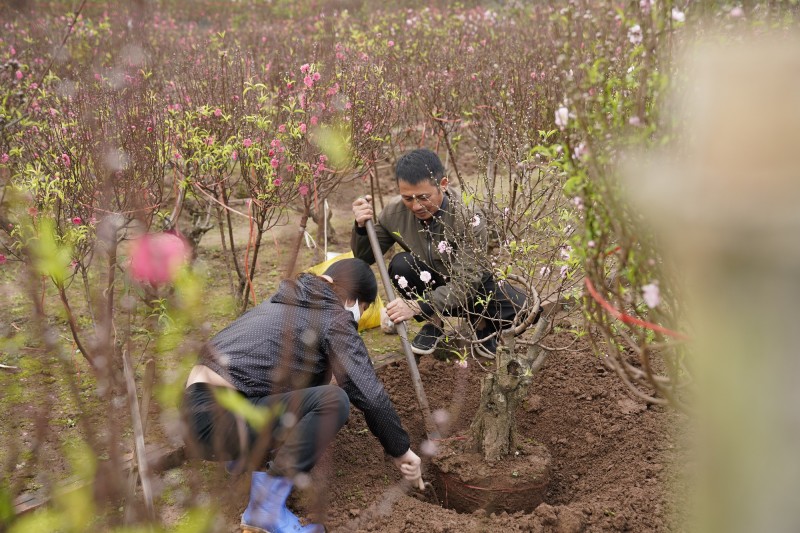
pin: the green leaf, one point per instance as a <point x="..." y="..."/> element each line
<point x="51" y="257"/>
<point x="257" y="417"/>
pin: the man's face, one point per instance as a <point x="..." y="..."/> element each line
<point x="423" y="199"/>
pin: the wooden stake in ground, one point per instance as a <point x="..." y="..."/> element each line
<point x="138" y="432"/>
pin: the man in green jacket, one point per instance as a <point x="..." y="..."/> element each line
<point x="443" y="267"/>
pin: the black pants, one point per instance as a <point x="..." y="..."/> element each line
<point x="498" y="305"/>
<point x="300" y="425"/>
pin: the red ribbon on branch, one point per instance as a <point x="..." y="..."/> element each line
<point x="628" y="319"/>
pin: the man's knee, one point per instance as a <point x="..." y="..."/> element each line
<point x="402" y="264"/>
<point x="336" y="400"/>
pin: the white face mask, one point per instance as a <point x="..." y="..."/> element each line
<point x="355" y="309"/>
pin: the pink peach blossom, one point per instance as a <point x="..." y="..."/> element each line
<point x="156" y="258"/>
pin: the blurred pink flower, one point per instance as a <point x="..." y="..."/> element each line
<point x="66" y="160"/>
<point x="736" y="12"/>
<point x="247" y="143"/>
<point x="277" y="182"/>
<point x="444" y="247"/>
<point x="218" y="112"/>
<point x="18" y="74"/>
<point x="424" y="276"/>
<point x="314" y="121"/>
<point x="635" y="34"/>
<point x="562" y="117"/>
<point x="234" y="155"/>
<point x="3" y="259"/>
<point x="581" y="151"/>
<point x="476" y="221"/>
<point x="303" y="189"/>
<point x="282" y="128"/>
<point x="367" y="127"/>
<point x="390" y="44"/>
<point x="402" y="282"/>
<point x="275" y="163"/>
<point x="308" y="81"/>
<point x="461" y="363"/>
<point x="316" y="76"/>
<point x="4" y="158"/>
<point x="651" y="295"/>
<point x="157" y="257"/>
<point x="305" y="68"/>
<point x="302" y="127"/>
<point x="77" y="220"/>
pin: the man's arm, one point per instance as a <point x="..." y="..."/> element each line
<point x="359" y="240"/>
<point x="355" y="374"/>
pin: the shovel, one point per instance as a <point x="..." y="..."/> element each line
<point x="402" y="330"/>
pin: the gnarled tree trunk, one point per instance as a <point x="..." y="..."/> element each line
<point x="493" y="429"/>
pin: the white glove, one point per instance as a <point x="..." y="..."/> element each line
<point x="410" y="466"/>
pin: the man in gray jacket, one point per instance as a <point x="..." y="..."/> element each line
<point x="443" y="267"/>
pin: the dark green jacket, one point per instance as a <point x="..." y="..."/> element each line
<point x="453" y="243"/>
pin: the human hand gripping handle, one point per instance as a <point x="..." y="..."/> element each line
<point x="362" y="210"/>
<point x="399" y="310"/>
<point x="410" y="466"/>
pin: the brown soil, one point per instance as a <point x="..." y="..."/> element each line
<point x="610" y="457"/>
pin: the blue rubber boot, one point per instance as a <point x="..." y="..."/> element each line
<point x="267" y="511"/>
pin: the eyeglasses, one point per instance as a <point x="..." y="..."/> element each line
<point x="421" y="198"/>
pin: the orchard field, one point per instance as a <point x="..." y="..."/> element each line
<point x="164" y="164"/>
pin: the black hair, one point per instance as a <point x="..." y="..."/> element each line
<point x="353" y="280"/>
<point x="419" y="165"/>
